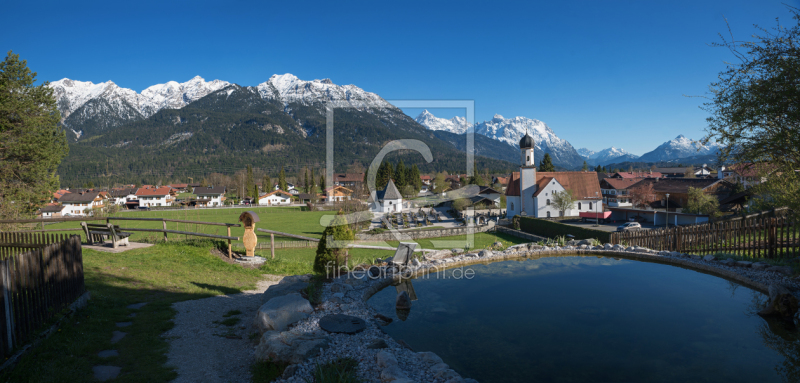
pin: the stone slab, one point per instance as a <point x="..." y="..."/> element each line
<point x="107" y="353"/>
<point x="105" y="373"/>
<point x="340" y="323"/>
<point x="117" y="336"/>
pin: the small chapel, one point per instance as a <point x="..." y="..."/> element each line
<point x="530" y="193"/>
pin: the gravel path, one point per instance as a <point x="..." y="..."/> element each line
<point x="204" y="351"/>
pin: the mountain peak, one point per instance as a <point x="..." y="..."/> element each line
<point x="498" y="117"/>
<point x="457" y="124"/>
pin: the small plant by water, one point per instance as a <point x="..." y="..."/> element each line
<point x="342" y="370"/>
<point x="313" y="292"/>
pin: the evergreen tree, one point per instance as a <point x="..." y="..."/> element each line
<point x="476" y="178"/>
<point x="312" y="187"/>
<point x="322" y="181"/>
<point x="31" y="142"/>
<point x="400" y="175"/>
<point x="250" y="180"/>
<point x="305" y="183"/>
<point x="265" y="184"/>
<point x="282" y="180"/>
<point x="598" y="168"/>
<point x="414" y="178"/>
<point x="331" y="257"/>
<point x="547" y="164"/>
<point x="585" y="166"/>
<point x="255" y="193"/>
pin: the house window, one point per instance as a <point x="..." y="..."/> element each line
<point x="579" y="206"/>
<point x="548" y="204"/>
<point x="512" y="206"/>
<point x="548" y="214"/>
<point x="590" y="206"/>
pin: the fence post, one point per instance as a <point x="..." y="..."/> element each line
<point x="165" y="230"/>
<point x="7" y="305"/>
<point x="272" y="244"/>
<point x="230" y="255"/>
<point x="773" y="235"/>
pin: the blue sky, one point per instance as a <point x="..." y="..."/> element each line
<point x="599" y="73"/>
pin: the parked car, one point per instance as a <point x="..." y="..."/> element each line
<point x="144" y="208"/>
<point x="629" y="226"/>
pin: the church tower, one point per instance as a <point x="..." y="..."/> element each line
<point x="527" y="174"/>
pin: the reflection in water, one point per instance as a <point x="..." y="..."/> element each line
<point x="586" y="319"/>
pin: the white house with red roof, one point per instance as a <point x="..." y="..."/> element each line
<point x="530" y="193"/>
<point x="151" y="197"/>
<point x="277" y="197"/>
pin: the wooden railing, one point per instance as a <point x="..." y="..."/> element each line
<point x="752" y="237"/>
<point x="36" y="284"/>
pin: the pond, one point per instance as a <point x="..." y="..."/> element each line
<point x="592" y="319"/>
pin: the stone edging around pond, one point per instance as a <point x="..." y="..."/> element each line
<point x="382" y="358"/>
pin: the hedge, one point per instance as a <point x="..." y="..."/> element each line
<point x="550" y="229"/>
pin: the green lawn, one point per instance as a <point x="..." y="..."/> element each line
<point x="160" y="275"/>
<point x="286" y="219"/>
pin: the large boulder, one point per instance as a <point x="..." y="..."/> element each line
<point x="485" y="253"/>
<point x="291" y="348"/>
<point x="288" y="285"/>
<point x="438" y="254"/>
<point x="782" y="303"/>
<point x="279" y="312"/>
<point x="785" y="270"/>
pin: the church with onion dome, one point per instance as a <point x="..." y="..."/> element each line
<point x="530" y="192"/>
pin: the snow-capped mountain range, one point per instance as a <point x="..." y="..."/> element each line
<point x="457" y="124"/>
<point x="510" y="131"/>
<point x="680" y="147"/>
<point x="96" y="107"/>
<point x="72" y="94"/>
<point x="606" y="156"/>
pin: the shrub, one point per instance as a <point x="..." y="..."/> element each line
<point x="331" y="257"/>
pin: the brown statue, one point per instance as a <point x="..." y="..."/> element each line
<point x="248" y="220"/>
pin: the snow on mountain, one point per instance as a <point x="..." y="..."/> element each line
<point x="457" y="124"/>
<point x="127" y="103"/>
<point x="287" y="88"/>
<point x="510" y="131"/>
<point x="585" y="153"/>
<point x="680" y="147"/>
<point x="610" y="155"/>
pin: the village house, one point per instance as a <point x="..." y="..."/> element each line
<point x="337" y="194"/>
<point x="180" y="188"/>
<point x="678" y="190"/>
<point x="78" y="203"/>
<point x="210" y="195"/>
<point x="125" y="196"/>
<point x="57" y="195"/>
<point x="490" y="194"/>
<point x="747" y="174"/>
<point x="530" y="193"/>
<point x="388" y="200"/>
<point x="616" y="191"/>
<point x="277" y="197"/>
<point x="52" y="211"/>
<point x="639" y="175"/>
<point x="679" y="172"/>
<point x="353" y="181"/>
<point x="152" y="197"/>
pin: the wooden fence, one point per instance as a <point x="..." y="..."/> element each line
<point x="753" y="237"/>
<point x="37" y="283"/>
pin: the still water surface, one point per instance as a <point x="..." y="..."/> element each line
<point x="590" y="319"/>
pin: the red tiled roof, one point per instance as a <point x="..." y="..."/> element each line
<point x="752" y="170"/>
<point x="60" y="193"/>
<point x="180" y="186"/>
<point x="503" y="180"/>
<point x="582" y="184"/>
<point x="541" y="183"/>
<point x="425" y="178"/>
<point x="164" y="190"/>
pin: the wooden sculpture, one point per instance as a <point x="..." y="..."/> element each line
<point x="248" y="220"/>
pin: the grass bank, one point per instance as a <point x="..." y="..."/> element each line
<point x="160" y="275"/>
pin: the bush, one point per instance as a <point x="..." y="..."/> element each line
<point x="330" y="259"/>
<point x="550" y="229"/>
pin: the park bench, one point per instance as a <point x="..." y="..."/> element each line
<point x="111" y="231"/>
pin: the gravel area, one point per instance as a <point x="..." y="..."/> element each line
<point x="200" y="355"/>
<point x="204" y="351"/>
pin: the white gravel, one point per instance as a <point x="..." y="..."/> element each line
<point x="199" y="350"/>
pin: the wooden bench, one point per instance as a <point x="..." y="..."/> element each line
<point x="111" y="231"/>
